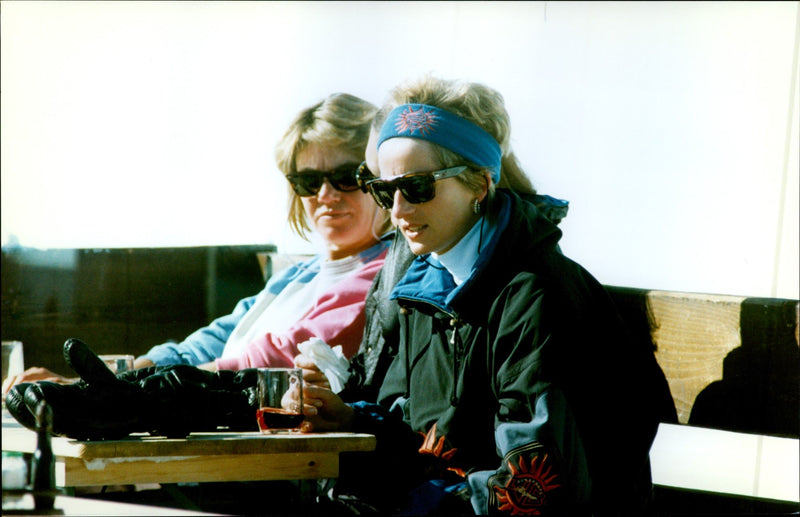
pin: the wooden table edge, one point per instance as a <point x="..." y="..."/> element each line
<point x="205" y="444"/>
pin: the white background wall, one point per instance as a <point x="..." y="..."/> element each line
<point x="672" y="128"/>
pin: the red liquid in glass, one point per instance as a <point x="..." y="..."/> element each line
<point x="273" y="419"/>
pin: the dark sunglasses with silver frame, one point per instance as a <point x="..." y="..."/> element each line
<point x="309" y="182"/>
<point x="416" y="187"/>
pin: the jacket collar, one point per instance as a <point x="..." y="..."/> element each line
<point x="428" y="281"/>
<point x="521" y="232"/>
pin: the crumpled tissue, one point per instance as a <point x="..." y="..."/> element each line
<point x="330" y="360"/>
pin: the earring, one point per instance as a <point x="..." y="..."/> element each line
<point x="476" y="206"/>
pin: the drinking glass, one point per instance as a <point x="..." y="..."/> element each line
<point x="280" y="397"/>
<point x="118" y="363"/>
<point x="13" y="362"/>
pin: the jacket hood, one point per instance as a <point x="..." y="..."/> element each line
<point x="528" y="230"/>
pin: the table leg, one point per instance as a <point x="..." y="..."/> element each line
<point x="308" y="492"/>
<point x="182" y="499"/>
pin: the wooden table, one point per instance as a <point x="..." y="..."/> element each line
<point x="200" y="457"/>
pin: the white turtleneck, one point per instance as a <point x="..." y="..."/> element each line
<point x="460" y="259"/>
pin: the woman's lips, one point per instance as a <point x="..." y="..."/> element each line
<point x="332" y="214"/>
<point x="413" y="230"/>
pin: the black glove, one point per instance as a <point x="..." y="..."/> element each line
<point x="161" y="400"/>
<point x="99" y="406"/>
<point x="190" y="399"/>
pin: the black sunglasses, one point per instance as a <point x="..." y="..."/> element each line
<point x="416" y="187"/>
<point x="308" y="183"/>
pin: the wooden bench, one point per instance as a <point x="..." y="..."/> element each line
<point x="733" y="367"/>
<point x="731" y="362"/>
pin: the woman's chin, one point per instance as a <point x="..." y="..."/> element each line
<point x="417" y="248"/>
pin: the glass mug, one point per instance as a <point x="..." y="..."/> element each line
<point x="274" y="384"/>
<point x="13" y="362"/>
<point x="118" y="363"/>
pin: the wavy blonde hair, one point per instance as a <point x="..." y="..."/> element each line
<point x="339" y="120"/>
<point x="477" y="103"/>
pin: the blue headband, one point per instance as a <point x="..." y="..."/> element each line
<point x="446" y="129"/>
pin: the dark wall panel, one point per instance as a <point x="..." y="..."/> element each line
<point x="122" y="299"/>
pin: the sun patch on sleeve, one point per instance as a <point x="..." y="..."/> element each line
<point x="527" y="482"/>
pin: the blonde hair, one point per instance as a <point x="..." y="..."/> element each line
<point x="477" y="103"/>
<point x="340" y="120"/>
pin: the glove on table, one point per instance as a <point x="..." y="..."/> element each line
<point x="162" y="400"/>
<point x="187" y="399"/>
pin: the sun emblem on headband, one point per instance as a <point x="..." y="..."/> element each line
<point x="420" y="120"/>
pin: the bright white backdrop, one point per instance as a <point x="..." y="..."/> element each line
<point x="672" y="128"/>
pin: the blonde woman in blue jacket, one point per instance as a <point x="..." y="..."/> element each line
<point x="510" y="353"/>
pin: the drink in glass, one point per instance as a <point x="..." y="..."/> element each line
<point x="280" y="396"/>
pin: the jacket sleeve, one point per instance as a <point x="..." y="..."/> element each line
<point x="388" y="476"/>
<point x="543" y="464"/>
<point x="203" y="345"/>
<point x="337" y="318"/>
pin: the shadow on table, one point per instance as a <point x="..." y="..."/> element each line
<point x="230" y="498"/>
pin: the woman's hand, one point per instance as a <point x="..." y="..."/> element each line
<point x="323" y="409"/>
<point x="311" y="374"/>
<point x="35" y="374"/>
<point x="142" y="362"/>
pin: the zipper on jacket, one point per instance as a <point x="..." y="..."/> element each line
<point x="405" y="312"/>
<point x="455" y="343"/>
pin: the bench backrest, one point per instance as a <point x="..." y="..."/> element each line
<point x="732" y="362"/>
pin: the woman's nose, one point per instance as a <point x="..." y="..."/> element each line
<point x="327" y="192"/>
<point x="401" y="206"/>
